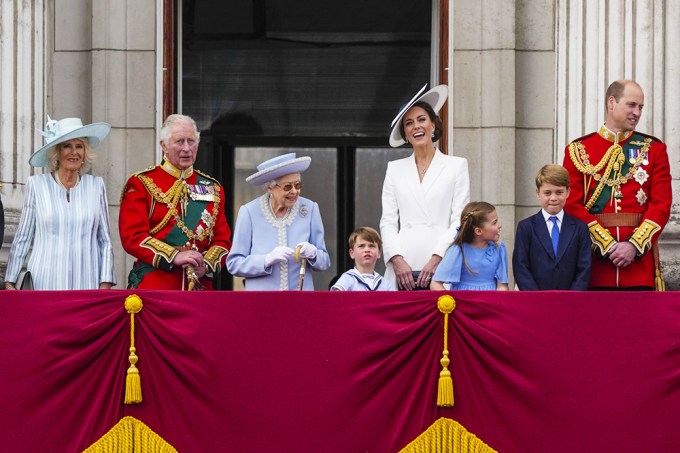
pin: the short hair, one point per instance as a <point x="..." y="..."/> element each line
<point x="438" y="126"/>
<point x="174" y="120"/>
<point x="367" y="234"/>
<point x="616" y="90"/>
<point x="88" y="158"/>
<point x="553" y="174"/>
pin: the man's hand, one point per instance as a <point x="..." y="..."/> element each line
<point x="188" y="257"/>
<point x="622" y="254"/>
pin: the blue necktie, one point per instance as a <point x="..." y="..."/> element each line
<point x="554" y="234"/>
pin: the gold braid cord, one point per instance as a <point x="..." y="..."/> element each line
<point x="133" y="382"/>
<point x="446" y="304"/>
<point x="131" y="436"/>
<point x="613" y="159"/>
<point x="171" y="199"/>
<point x="447" y="436"/>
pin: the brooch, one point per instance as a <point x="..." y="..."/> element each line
<point x="641" y="175"/>
<point x="641" y="197"/>
<point x="304" y="211"/>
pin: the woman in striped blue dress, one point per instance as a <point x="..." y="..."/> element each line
<point x="65" y="217"/>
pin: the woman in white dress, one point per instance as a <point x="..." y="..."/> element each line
<point x="65" y="217"/>
<point x="423" y="194"/>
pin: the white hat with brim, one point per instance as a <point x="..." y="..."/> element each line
<point x="276" y="167"/>
<point x="61" y="131"/>
<point x="436" y="98"/>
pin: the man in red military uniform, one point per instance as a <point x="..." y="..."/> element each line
<point x="621" y="187"/>
<point x="172" y="216"/>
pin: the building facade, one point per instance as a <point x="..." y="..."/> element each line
<point x="526" y="77"/>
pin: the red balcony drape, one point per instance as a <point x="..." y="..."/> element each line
<point x="342" y="372"/>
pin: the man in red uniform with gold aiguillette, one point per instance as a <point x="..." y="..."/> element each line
<point x="621" y="187"/>
<point x="172" y="216"/>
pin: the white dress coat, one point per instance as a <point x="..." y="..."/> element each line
<point x="420" y="219"/>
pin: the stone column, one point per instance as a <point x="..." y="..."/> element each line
<point x="22" y="98"/>
<point x="484" y="63"/>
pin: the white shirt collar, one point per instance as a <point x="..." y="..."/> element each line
<point x="559" y="215"/>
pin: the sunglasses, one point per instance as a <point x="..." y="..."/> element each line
<point x="287" y="187"/>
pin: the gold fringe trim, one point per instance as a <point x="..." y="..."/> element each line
<point x="447" y="436"/>
<point x="133" y="382"/>
<point x="446" y="304"/>
<point x="130" y="435"/>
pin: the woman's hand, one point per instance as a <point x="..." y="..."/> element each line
<point x="428" y="271"/>
<point x="105" y="285"/>
<point x="403" y="272"/>
<point x="10" y="286"/>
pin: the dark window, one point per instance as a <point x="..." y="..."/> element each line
<point x="310" y="77"/>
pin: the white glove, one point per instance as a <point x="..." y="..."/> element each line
<point x="307" y="250"/>
<point x="280" y="254"/>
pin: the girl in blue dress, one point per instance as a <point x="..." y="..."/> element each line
<point x="476" y="260"/>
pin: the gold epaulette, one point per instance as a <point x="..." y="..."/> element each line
<point x="124" y="189"/>
<point x="213" y="256"/>
<point x="207" y="176"/>
<point x="146" y="170"/>
<point x="649" y="136"/>
<point x="602" y="239"/>
<point x="642" y="236"/>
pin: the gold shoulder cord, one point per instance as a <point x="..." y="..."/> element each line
<point x="171" y="198"/>
<point x="613" y="159"/>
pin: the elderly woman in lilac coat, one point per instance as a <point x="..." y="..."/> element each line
<point x="272" y="227"/>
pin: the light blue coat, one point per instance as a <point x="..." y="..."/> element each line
<point x="258" y="232"/>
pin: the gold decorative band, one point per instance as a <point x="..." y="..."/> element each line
<point x="642" y="236"/>
<point x="602" y="239"/>
<point x="213" y="257"/>
<point x="160" y="249"/>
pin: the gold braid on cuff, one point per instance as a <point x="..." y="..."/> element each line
<point x="642" y="236"/>
<point x="601" y="237"/>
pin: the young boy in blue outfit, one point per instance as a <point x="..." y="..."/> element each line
<point x="552" y="248"/>
<point x="365" y="248"/>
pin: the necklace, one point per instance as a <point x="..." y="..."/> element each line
<point x="67" y="189"/>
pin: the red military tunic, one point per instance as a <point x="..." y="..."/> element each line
<point x="164" y="210"/>
<point x="630" y="178"/>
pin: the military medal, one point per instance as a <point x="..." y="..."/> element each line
<point x="633" y="154"/>
<point x="641" y="197"/>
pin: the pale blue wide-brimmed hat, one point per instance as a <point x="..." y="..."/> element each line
<point x="436" y="97"/>
<point x="279" y="166"/>
<point x="64" y="130"/>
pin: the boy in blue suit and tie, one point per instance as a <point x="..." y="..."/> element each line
<point x="552" y="248"/>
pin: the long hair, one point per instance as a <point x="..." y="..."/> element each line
<point x="474" y="215"/>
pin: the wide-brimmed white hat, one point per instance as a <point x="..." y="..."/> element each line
<point x="435" y="98"/>
<point x="64" y="130"/>
<point x="279" y="166"/>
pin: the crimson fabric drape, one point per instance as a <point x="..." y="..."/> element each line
<point x="342" y="372"/>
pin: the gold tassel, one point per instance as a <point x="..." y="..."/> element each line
<point x="446" y="304"/>
<point x="133" y="382"/>
<point x="659" y="281"/>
